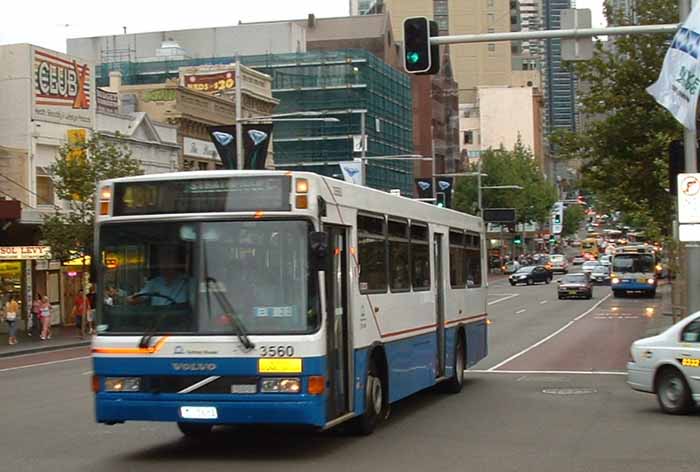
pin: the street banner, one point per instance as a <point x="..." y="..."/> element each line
<point x="679" y="82"/>
<point x="424" y="187"/>
<point x="256" y="139"/>
<point x="352" y="171"/>
<point x="444" y="185"/>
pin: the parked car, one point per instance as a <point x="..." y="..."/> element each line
<point x="530" y="275"/>
<point x="510" y="267"/>
<point x="559" y="263"/>
<point x="575" y="285"/>
<point x="588" y="267"/>
<point x="667" y="365"/>
<point x="578" y="260"/>
<point x="600" y="275"/>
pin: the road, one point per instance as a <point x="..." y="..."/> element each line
<point x="549" y="397"/>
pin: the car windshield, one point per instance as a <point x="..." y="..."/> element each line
<point x="170" y="277"/>
<point x="575" y="279"/>
<point x="633" y="263"/>
<point x="525" y="270"/>
<point x="589" y="265"/>
<point x="600" y="270"/>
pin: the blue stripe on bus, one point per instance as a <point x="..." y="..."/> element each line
<point x="633" y="286"/>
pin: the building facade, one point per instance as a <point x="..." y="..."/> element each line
<point x="46" y="99"/>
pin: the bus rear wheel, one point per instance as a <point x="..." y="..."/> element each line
<point x="195" y="430"/>
<point x="374" y="401"/>
<point x="456" y="382"/>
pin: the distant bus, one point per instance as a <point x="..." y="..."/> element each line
<point x="634" y="270"/>
<point x="263" y="297"/>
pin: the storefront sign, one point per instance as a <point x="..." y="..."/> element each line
<point x="199" y="148"/>
<point x="21" y="253"/>
<point x="211" y="82"/>
<point x="10" y="270"/>
<point x="159" y="95"/>
<point x="107" y="102"/>
<point x="64" y="89"/>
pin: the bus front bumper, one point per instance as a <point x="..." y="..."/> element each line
<point x="112" y="409"/>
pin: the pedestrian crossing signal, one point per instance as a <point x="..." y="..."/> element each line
<point x="440" y="199"/>
<point x="517" y="240"/>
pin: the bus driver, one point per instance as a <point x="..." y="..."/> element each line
<point x="173" y="284"/>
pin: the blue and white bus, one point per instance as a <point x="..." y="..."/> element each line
<point x="265" y="297"/>
<point x="634" y="270"/>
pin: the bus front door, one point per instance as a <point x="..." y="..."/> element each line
<point x="338" y="342"/>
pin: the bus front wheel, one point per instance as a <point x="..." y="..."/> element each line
<point x="195" y="430"/>
<point x="374" y="401"/>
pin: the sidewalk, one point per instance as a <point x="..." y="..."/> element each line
<point x="61" y="338"/>
<point x="662" y="319"/>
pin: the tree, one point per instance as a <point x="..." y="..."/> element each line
<point x="80" y="166"/>
<point x="573" y="217"/>
<point x="625" y="149"/>
<point x="517" y="167"/>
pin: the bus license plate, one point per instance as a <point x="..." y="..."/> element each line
<point x="198" y="412"/>
<point x="642" y="281"/>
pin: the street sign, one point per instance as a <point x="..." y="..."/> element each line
<point x="499" y="215"/>
<point x="689" y="198"/>
<point x="578" y="49"/>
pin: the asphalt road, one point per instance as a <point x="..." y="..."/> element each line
<point x="550" y="397"/>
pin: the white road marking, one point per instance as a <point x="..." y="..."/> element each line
<point x="543" y="302"/>
<point x="87" y="372"/>
<point x="521" y="311"/>
<point x="544" y="340"/>
<point x="39" y="353"/>
<point x="44" y="363"/>
<point x="502" y="299"/>
<point x="547" y="372"/>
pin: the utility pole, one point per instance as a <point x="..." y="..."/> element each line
<point x="240" y="161"/>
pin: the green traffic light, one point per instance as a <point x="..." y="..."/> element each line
<point x="413" y="57"/>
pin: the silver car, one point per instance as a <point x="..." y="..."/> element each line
<point x="668" y="365"/>
<point x="558" y="262"/>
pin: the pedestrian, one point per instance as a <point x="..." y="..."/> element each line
<point x="11" y="309"/>
<point x="36" y="315"/>
<point x="79" y="311"/>
<point x="45" y="315"/>
<point x="90" y="318"/>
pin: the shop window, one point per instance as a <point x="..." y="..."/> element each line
<point x="44" y="190"/>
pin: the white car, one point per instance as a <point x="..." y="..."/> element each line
<point x="588" y="267"/>
<point x="578" y="260"/>
<point x="669" y="366"/>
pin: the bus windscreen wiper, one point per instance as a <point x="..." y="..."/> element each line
<point x="238" y="328"/>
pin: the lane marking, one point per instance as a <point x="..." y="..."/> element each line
<point x="508" y="297"/>
<point x="521" y="311"/>
<point x="7" y="369"/>
<point x="543" y="302"/>
<point x="535" y="372"/>
<point x="544" y="340"/>
<point x="42" y="353"/>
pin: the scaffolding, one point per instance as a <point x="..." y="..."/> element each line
<point x="343" y="84"/>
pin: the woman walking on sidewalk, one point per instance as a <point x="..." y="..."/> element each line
<point x="11" y="309"/>
<point x="36" y="315"/>
<point x="45" y="319"/>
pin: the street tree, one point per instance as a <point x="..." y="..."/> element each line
<point x="509" y="167"/>
<point x="573" y="217"/>
<point x="625" y="146"/>
<point x="80" y="165"/>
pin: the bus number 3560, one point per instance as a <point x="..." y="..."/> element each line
<point x="277" y="351"/>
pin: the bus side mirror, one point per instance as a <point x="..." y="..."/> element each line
<point x="318" y="250"/>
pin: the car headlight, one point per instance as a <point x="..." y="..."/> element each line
<point x="278" y="385"/>
<point x="615" y="280"/>
<point x="122" y="384"/>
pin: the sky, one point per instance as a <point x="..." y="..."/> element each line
<point x="48" y="23"/>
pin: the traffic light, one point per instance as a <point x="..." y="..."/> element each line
<point x="440" y="198"/>
<point x="557" y="218"/>
<point x="517" y="240"/>
<point x="419" y="56"/>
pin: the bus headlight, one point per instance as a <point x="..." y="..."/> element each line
<point x="122" y="384"/>
<point x="651" y="281"/>
<point x="615" y="280"/>
<point x="270" y="385"/>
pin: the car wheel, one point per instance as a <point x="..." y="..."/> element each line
<point x="530" y="281"/>
<point x="673" y="393"/>
<point x="513" y="284"/>
<point x="560" y="297"/>
<point x="547" y="280"/>
<point x="617" y="293"/>
<point x="195" y="430"/>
